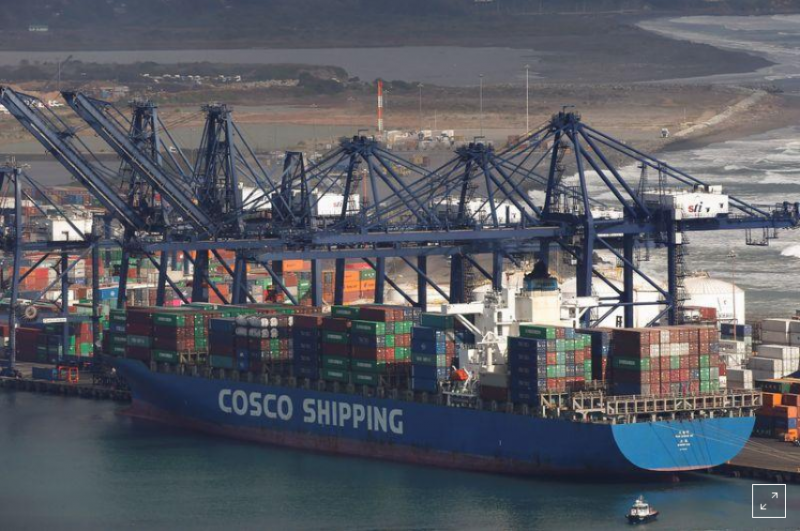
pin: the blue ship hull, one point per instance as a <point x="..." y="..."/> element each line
<point x="428" y="434"/>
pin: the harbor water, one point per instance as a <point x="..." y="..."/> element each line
<point x="77" y="464"/>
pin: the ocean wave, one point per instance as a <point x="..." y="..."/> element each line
<point x="792" y="251"/>
<point x="776" y="177"/>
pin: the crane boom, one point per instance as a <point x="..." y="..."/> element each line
<point x="118" y="139"/>
<point x="55" y="141"/>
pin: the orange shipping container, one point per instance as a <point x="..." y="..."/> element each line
<point x="368" y="284"/>
<point x="352" y="276"/>
<point x="296" y="265"/>
<point x="352" y="286"/>
<point x="789" y="412"/>
<point x="771" y="399"/>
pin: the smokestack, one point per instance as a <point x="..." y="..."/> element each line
<point x="380" y="106"/>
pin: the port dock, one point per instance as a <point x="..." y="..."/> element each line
<point x="86" y="387"/>
<point x="765" y="459"/>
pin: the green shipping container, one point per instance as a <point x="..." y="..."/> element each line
<point x="339" y="338"/>
<point x="336" y="375"/>
<point x="169" y="319"/>
<point x="537" y="332"/>
<point x="347" y="312"/>
<point x="220" y="362"/>
<point x="552" y="371"/>
<point x="117" y="350"/>
<point x="674" y="362"/>
<point x="335" y="362"/>
<point x="118" y="339"/>
<point x="368" y="274"/>
<point x="139" y="341"/>
<point x="368" y="366"/>
<point x="361" y="378"/>
<point x="634" y="364"/>
<point x="705" y="374"/>
<point x="368" y="327"/>
<point x="438" y="320"/>
<point x="166" y="356"/>
<point x="705" y="361"/>
<point x="437" y="360"/>
<point x="402" y="353"/>
<point x="705" y="387"/>
<point x="389" y="340"/>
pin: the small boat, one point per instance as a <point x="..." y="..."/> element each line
<point x="641" y="512"/>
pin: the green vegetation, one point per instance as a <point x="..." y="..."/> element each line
<point x="78" y="71"/>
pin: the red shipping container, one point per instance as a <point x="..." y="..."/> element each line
<point x="335" y="349"/>
<point x="498" y="394"/>
<point x="335" y="324"/>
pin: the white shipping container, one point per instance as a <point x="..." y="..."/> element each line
<point x="775" y="338"/>
<point x="776" y="325"/>
<point x="59" y="230"/>
<point x="778" y="352"/>
<point x="330" y="205"/>
<point x="794" y="326"/>
<point x="692" y="204"/>
<point x="771" y="365"/>
<point x="728" y="345"/>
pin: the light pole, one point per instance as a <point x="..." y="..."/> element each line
<point x="481" y="105"/>
<point x="527" y="99"/>
<point x="420" y="107"/>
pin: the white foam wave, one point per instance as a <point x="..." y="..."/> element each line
<point x="776" y="177"/>
<point x="792" y="251"/>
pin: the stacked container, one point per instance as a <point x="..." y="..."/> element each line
<point x="665" y="361"/>
<point x="335" y="344"/>
<point x="436" y="346"/>
<point x="263" y="340"/>
<point x="600" y="341"/>
<point x="736" y="344"/>
<point x="547" y="359"/>
<point x="307" y="348"/>
<point x="779" y="415"/>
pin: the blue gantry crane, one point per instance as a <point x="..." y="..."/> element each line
<point x="565" y="184"/>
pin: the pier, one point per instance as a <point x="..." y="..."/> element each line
<point x="767" y="460"/>
<point x="86" y="387"/>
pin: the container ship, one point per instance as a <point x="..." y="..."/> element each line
<point x="488" y="386"/>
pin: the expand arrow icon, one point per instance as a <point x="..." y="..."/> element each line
<point x="763" y="506"/>
<point x="774" y="495"/>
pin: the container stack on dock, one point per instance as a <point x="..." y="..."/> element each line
<point x="779" y="416"/>
<point x="666" y="361"/>
<point x="774" y="361"/>
<point x="44" y="343"/>
<point x="779" y="353"/>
